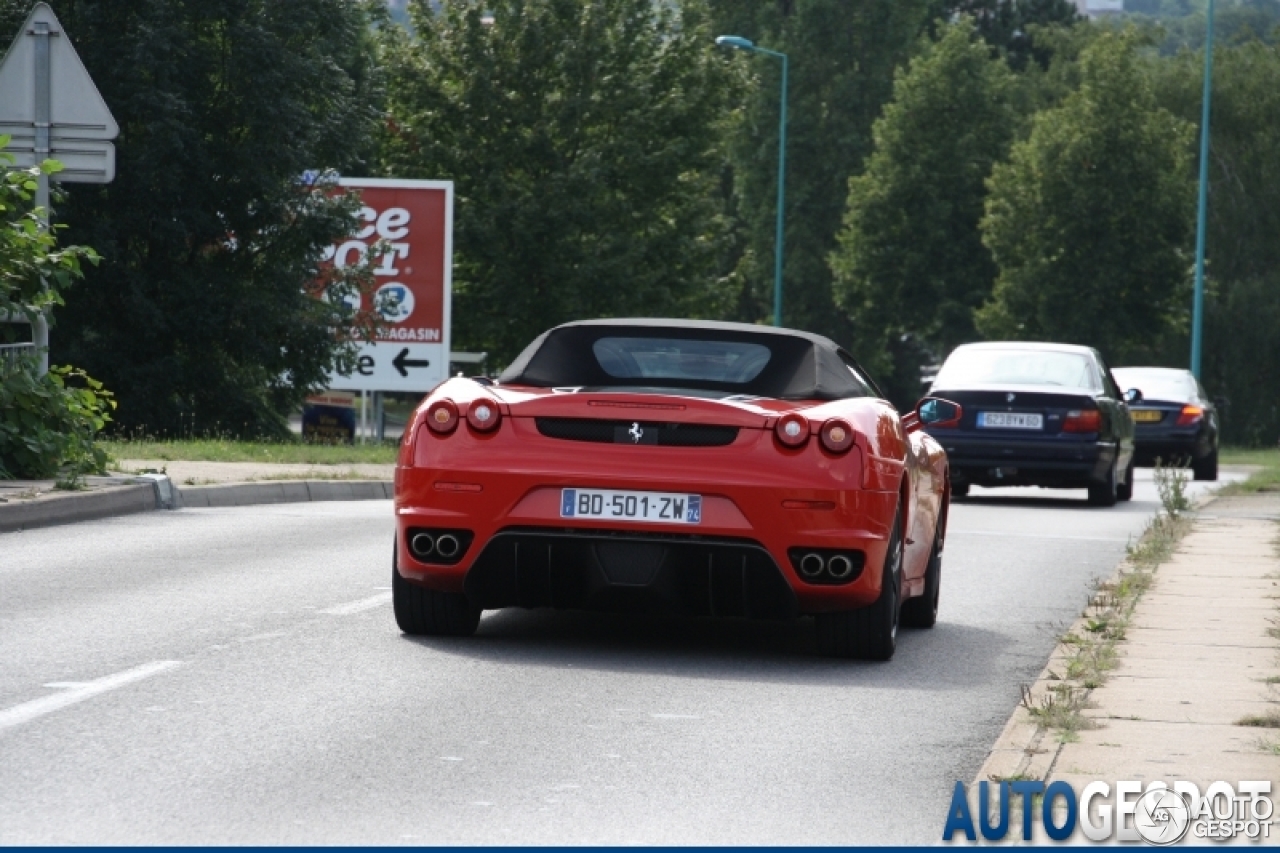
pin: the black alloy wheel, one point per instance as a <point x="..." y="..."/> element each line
<point x="426" y="612"/>
<point x="871" y="632"/>
<point x="1206" y="468"/>
<point x="1104" y="494"/>
<point x="1124" y="491"/>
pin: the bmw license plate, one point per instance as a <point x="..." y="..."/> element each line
<point x="611" y="504"/>
<point x="1147" y="416"/>
<point x="1010" y="420"/>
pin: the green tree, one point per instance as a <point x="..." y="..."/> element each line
<point x="1089" y="220"/>
<point x="1010" y="26"/>
<point x="200" y="315"/>
<point x="911" y="260"/>
<point x="1241" y="355"/>
<point x="584" y="140"/>
<point x="843" y="54"/>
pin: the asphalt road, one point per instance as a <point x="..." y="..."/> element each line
<point x="235" y="676"/>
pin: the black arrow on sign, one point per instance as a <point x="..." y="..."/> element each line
<point x="401" y="361"/>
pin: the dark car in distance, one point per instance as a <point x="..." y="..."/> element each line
<point x="1174" y="420"/>
<point x="1036" y="414"/>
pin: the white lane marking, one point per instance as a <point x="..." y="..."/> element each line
<point x="675" y="716"/>
<point x="359" y="606"/>
<point x="28" y="711"/>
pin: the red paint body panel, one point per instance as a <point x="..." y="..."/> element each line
<point x="519" y="474"/>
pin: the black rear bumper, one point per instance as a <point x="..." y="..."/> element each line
<point x="1054" y="464"/>
<point x="597" y="570"/>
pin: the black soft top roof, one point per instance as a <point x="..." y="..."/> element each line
<point x="802" y="365"/>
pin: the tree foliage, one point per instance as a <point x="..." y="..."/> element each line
<point x="46" y="421"/>
<point x="199" y="313"/>
<point x="911" y="262"/>
<point x="1011" y="26"/>
<point x="842" y="57"/>
<point x="584" y="143"/>
<point x="1241" y="350"/>
<point x="1089" y="219"/>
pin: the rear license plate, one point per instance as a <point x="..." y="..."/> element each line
<point x="1010" y="420"/>
<point x="1147" y="416"/>
<point x="611" y="504"/>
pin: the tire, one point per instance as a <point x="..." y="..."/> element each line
<point x="871" y="632"/>
<point x="959" y="490"/>
<point x="1104" y="494"/>
<point x="1206" y="468"/>
<point x="922" y="612"/>
<point x="426" y="612"/>
<point x="1124" y="491"/>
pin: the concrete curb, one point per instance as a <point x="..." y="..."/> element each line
<point x="285" y="491"/>
<point x="143" y="493"/>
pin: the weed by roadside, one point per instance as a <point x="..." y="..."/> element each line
<point x="1091" y="651"/>
<point x="1269" y="720"/>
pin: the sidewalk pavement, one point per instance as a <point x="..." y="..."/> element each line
<point x="1200" y="655"/>
<point x="142" y="485"/>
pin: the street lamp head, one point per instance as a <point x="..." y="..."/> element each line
<point x="737" y="42"/>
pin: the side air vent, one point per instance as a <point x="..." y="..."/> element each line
<point x="637" y="432"/>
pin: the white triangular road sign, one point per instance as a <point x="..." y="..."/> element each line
<point x="80" y="123"/>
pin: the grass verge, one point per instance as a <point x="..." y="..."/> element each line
<point x="1265" y="479"/>
<point x="227" y="450"/>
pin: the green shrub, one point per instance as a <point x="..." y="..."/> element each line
<point x="48" y="423"/>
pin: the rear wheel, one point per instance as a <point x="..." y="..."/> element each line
<point x="922" y="612"/>
<point x="869" y="633"/>
<point x="426" y="612"/>
<point x="1104" y="494"/>
<point x="1206" y="468"/>
<point x="1124" y="491"/>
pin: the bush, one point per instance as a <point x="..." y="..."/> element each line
<point x="48" y="423"/>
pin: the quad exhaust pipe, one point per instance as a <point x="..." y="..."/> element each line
<point x="447" y="546"/>
<point x="422" y="544"/>
<point x="827" y="566"/>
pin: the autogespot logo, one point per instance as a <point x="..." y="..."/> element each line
<point x="1158" y="814"/>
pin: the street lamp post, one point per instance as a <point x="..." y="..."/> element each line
<point x="740" y="43"/>
<point x="1197" y="311"/>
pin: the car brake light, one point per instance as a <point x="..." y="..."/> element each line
<point x="792" y="430"/>
<point x="442" y="417"/>
<point x="1190" y="416"/>
<point x="1083" y="420"/>
<point x="483" y="415"/>
<point x="837" y="436"/>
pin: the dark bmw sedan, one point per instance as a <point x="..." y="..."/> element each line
<point x="1173" y="418"/>
<point x="1036" y="414"/>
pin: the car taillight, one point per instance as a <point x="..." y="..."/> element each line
<point x="837" y="436"/>
<point x="1190" y="416"/>
<point x="442" y="417"/>
<point x="1083" y="420"/>
<point x="483" y="415"/>
<point x="792" y="430"/>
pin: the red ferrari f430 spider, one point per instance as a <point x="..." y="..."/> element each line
<point x="720" y="469"/>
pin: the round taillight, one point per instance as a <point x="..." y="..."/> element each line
<point x="483" y="415"/>
<point x="837" y="436"/>
<point x="792" y="430"/>
<point x="442" y="416"/>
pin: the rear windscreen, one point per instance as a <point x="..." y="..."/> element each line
<point x="662" y="359"/>
<point x="1157" y="385"/>
<point x="1016" y="367"/>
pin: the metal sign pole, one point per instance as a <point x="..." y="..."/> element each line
<point x="43" y="122"/>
